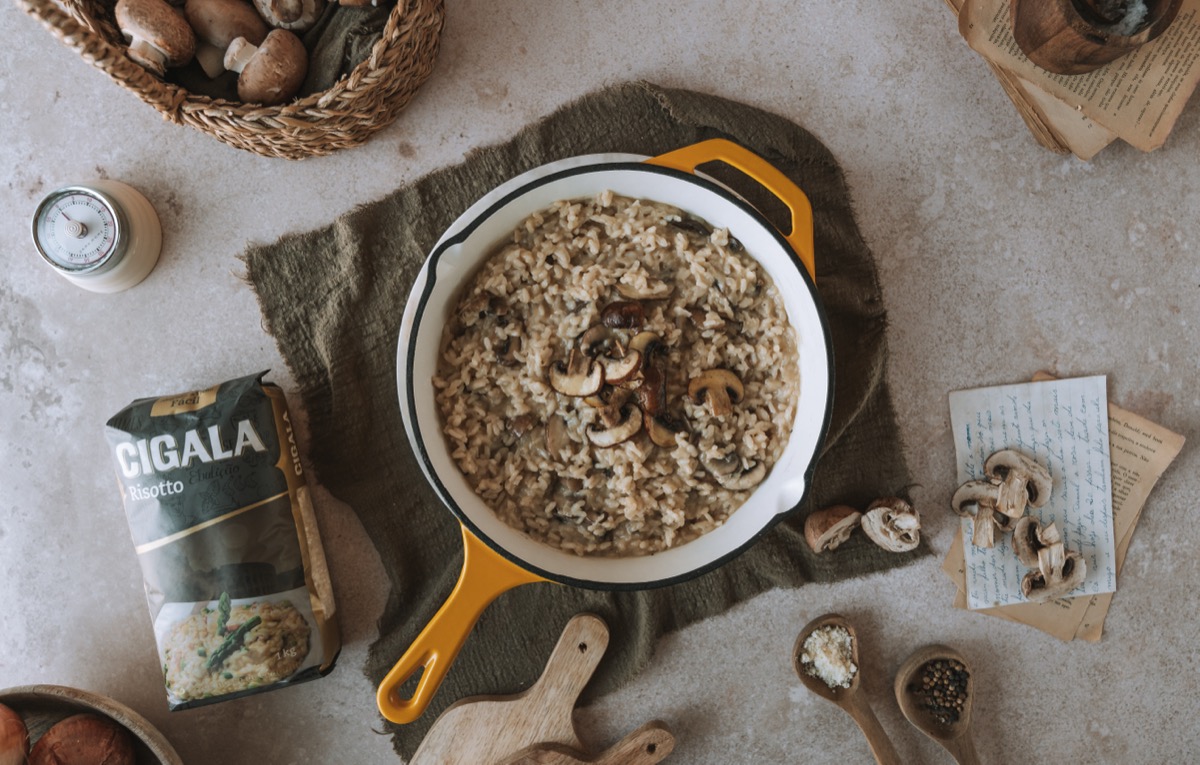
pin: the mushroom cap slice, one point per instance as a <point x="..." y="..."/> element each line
<point x="722" y="466"/>
<point x="1023" y="481"/>
<point x="617" y="371"/>
<point x="158" y="36"/>
<point x="719" y="388"/>
<point x="623" y="430"/>
<point x="1029" y="537"/>
<point x="643" y="340"/>
<point x="273" y="72"/>
<point x="746" y="479"/>
<point x="972" y="496"/>
<point x="893" y="524"/>
<point x="827" y="529"/>
<point x="623" y="314"/>
<point x="579" y="377"/>
<point x="1060" y="571"/>
<point x="664" y="428"/>
<point x="557" y="437"/>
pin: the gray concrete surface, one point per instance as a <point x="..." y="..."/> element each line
<point x="997" y="259"/>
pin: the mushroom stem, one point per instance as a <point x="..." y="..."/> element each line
<point x="239" y="54"/>
<point x="153" y="59"/>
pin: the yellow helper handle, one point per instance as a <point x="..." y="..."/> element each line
<point x="485" y="576"/>
<point x="689" y="158"/>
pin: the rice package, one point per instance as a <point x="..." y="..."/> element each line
<point x="224" y="530"/>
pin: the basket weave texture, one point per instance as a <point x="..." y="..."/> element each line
<point x="345" y="115"/>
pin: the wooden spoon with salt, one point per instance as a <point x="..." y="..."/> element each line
<point x="954" y="736"/>
<point x="851" y="699"/>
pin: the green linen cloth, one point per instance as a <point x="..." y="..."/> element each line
<point x="333" y="298"/>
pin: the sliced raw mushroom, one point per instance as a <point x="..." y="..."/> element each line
<point x="977" y="499"/>
<point x="1059" y="572"/>
<point x="623" y="315"/>
<point x="892" y="524"/>
<point x="653" y="290"/>
<point x="1029" y="538"/>
<point x="1022" y="481"/>
<point x="719" y="388"/>
<point x="664" y="428"/>
<point x="621" y="423"/>
<point x="828" y="528"/>
<point x="580" y="376"/>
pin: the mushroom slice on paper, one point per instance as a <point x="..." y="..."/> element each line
<point x="828" y="528"/>
<point x="977" y="499"/>
<point x="1059" y="572"/>
<point x="1030" y="537"/>
<point x="892" y="524"/>
<point x="1023" y="481"/>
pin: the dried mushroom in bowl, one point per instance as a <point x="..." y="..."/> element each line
<point x="648" y="363"/>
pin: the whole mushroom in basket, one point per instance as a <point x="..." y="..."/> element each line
<point x="269" y="74"/>
<point x="293" y="15"/>
<point x="217" y="23"/>
<point x="158" y="36"/>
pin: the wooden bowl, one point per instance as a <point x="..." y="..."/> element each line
<point x="41" y="706"/>
<point x="1070" y="37"/>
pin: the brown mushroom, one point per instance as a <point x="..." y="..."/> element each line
<point x="557" y="438"/>
<point x="642" y="341"/>
<point x="893" y="524"/>
<point x="1022" y="481"/>
<point x="720" y="388"/>
<point x="827" y="529"/>
<point x="217" y="23"/>
<point x="580" y="377"/>
<point x="84" y="738"/>
<point x="158" y="36"/>
<point x="271" y="73"/>
<point x="294" y="15"/>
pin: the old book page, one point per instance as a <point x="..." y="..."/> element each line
<point x="1138" y="97"/>
<point x="1140" y="452"/>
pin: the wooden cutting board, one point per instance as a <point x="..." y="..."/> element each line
<point x="648" y="745"/>
<point x="484" y="730"/>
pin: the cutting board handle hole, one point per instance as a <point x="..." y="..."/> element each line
<point x="583" y="647"/>
<point x="651" y="748"/>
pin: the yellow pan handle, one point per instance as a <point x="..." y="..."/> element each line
<point x="485" y="576"/>
<point x="689" y="158"/>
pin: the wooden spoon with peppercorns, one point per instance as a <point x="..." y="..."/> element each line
<point x="934" y="689"/>
<point x="849" y="697"/>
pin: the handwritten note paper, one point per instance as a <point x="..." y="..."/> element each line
<point x="1063" y="424"/>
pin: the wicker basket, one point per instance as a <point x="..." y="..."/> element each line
<point x="339" y="118"/>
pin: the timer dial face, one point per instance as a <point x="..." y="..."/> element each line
<point x="76" y="230"/>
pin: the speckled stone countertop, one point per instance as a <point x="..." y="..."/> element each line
<point x="997" y="259"/>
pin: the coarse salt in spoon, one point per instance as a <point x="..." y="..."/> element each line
<point x="842" y="686"/>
